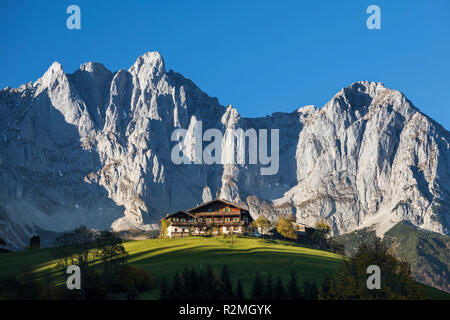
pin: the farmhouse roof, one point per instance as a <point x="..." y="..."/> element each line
<point x="178" y="212"/>
<point x="214" y="201"/>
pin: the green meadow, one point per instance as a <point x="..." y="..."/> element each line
<point x="163" y="257"/>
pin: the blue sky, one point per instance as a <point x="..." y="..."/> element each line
<point x="259" y="56"/>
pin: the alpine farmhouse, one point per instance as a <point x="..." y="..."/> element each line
<point x="216" y="216"/>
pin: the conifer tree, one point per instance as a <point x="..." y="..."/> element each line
<point x="279" y="290"/>
<point x="257" y="292"/>
<point x="227" y="286"/>
<point x="239" y="293"/>
<point x="268" y="289"/>
<point x="194" y="287"/>
<point x="188" y="283"/>
<point x="175" y="291"/>
<point x="212" y="284"/>
<point x="324" y="292"/>
<point x="310" y="290"/>
<point x="293" y="291"/>
<point x="163" y="289"/>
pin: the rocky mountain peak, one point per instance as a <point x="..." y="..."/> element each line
<point x="97" y="70"/>
<point x="54" y="72"/>
<point x="55" y="67"/>
<point x="358" y="94"/>
<point x="231" y="117"/>
<point x="150" y="65"/>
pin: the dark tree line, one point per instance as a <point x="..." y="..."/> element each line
<point x="202" y="285"/>
<point x="266" y="288"/>
<point x="211" y="285"/>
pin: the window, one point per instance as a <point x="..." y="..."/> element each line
<point x="208" y="219"/>
<point x="227" y="219"/>
<point x="236" y="219"/>
<point x="175" y="229"/>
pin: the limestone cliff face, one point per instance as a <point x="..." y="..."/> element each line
<point x="94" y="147"/>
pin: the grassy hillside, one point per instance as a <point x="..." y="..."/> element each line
<point x="162" y="257"/>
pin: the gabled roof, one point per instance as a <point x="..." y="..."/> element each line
<point x="213" y="201"/>
<point x="178" y="212"/>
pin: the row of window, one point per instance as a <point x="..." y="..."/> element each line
<point x="187" y="230"/>
<point x="223" y="210"/>
<point x="227" y="219"/>
<point x="181" y="220"/>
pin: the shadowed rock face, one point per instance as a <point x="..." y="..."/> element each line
<point x="93" y="147"/>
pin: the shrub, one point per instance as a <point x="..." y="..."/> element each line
<point x="350" y="281"/>
<point x="132" y="276"/>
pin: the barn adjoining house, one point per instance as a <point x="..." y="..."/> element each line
<point x="304" y="232"/>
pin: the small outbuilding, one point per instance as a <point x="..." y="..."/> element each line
<point x="35" y="242"/>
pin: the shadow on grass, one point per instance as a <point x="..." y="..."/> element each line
<point x="243" y="263"/>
